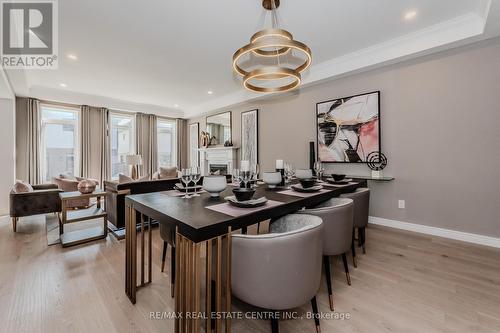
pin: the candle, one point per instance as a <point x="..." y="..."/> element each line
<point x="245" y="166"/>
<point x="279" y="164"/>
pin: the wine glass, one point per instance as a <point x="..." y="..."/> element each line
<point x="246" y="176"/>
<point x="186" y="178"/>
<point x="195" y="175"/>
<point x="236" y="177"/>
<point x="318" y="168"/>
<point x="289" y="172"/>
<point x="255" y="174"/>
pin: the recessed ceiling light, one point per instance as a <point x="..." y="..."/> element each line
<point x="410" y="15"/>
<point x="210" y="92"/>
<point x="64" y="85"/>
<point x="72" y="57"/>
<point x="176" y="105"/>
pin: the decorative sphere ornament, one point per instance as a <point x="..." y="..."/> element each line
<point x="376" y="161"/>
<point x="86" y="186"/>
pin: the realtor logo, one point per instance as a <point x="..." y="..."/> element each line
<point x="29" y="34"/>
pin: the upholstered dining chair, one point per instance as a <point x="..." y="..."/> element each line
<point x="361" y="198"/>
<point x="337" y="215"/>
<point x="168" y="236"/>
<point x="282" y="269"/>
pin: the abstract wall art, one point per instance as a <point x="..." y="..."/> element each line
<point x="250" y="136"/>
<point x="348" y="128"/>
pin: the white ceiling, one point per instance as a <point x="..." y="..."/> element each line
<point x="152" y="55"/>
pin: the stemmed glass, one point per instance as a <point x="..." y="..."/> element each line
<point x="255" y="170"/>
<point x="289" y="173"/>
<point x="246" y="176"/>
<point x="236" y="177"/>
<point x="186" y="178"/>
<point x="195" y="175"/>
<point x="318" y="168"/>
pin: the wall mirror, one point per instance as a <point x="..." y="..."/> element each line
<point x="219" y="126"/>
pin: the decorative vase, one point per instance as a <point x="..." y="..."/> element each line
<point x="86" y="186"/>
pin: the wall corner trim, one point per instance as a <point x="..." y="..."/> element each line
<point x="434" y="231"/>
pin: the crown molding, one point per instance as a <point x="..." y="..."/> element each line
<point x="445" y="35"/>
<point x="71" y="97"/>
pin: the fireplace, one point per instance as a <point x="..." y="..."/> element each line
<point x="221" y="168"/>
<point x="222" y="159"/>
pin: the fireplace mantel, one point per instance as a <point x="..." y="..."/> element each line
<point x="218" y="155"/>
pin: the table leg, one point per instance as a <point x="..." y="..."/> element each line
<point x="142" y="249"/>
<point x="228" y="280"/>
<point x="150" y="251"/>
<point x="130" y="254"/>
<point x="208" y="294"/>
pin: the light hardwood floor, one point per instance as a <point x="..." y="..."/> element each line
<point x="405" y="283"/>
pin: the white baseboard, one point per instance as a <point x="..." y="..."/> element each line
<point x="441" y="232"/>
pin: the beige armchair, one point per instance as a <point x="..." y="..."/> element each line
<point x="71" y="185"/>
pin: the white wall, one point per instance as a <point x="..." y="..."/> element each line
<point x="7" y="151"/>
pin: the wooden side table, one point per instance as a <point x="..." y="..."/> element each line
<point x="69" y="216"/>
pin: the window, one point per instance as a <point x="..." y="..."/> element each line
<point x="122" y="141"/>
<point x="167" y="142"/>
<point x="59" y="141"/>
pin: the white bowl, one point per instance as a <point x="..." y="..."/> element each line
<point x="303" y="173"/>
<point x="214" y="185"/>
<point x="271" y="178"/>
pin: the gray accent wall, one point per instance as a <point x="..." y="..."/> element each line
<point x="440" y="120"/>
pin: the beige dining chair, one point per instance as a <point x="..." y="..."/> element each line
<point x="361" y="198"/>
<point x="337" y="215"/>
<point x="282" y="269"/>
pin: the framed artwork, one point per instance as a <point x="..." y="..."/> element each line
<point x="250" y="136"/>
<point x="348" y="129"/>
<point x="194" y="142"/>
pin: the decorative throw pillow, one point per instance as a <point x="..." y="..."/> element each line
<point x="168" y="172"/>
<point x="66" y="176"/>
<point x="126" y="179"/>
<point x="83" y="178"/>
<point x="22" y="187"/>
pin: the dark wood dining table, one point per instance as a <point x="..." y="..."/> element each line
<point x="196" y="226"/>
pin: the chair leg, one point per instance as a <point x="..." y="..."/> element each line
<point x="275" y="327"/>
<point x="316" y="314"/>
<point x="346" y="269"/>
<point x="326" y="262"/>
<point x="172" y="270"/>
<point x="14" y="223"/>
<point x="258" y="228"/>
<point x="363" y="238"/>
<point x="244" y="230"/>
<point x="353" y="250"/>
<point x="163" y="256"/>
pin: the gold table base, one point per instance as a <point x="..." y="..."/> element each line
<point x="188" y="286"/>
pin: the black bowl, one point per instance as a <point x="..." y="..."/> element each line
<point x="308" y="182"/>
<point x="338" y="178"/>
<point x="243" y="194"/>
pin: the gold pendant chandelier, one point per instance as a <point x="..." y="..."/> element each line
<point x="270" y="51"/>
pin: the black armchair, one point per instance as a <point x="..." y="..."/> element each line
<point x="44" y="199"/>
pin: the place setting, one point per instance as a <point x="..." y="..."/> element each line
<point x="338" y="180"/>
<point x="243" y="200"/>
